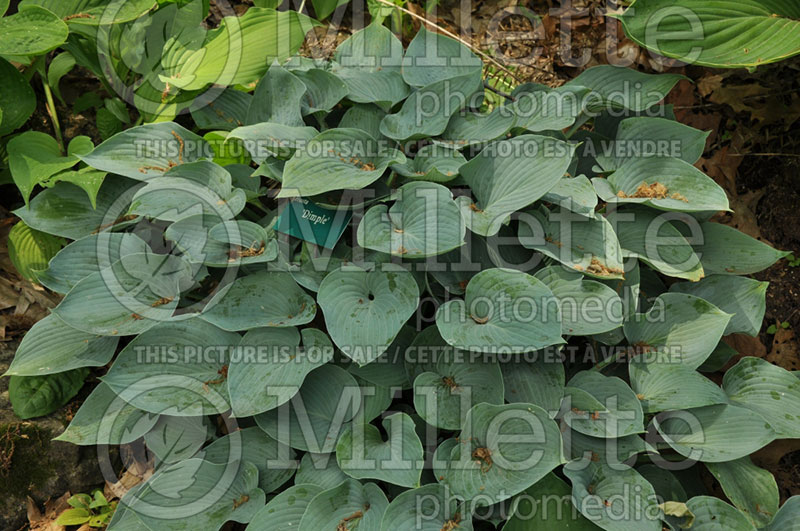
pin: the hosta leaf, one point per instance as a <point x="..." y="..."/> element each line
<point x="275" y="462"/>
<point x="30" y="250"/>
<point x="266" y="298"/>
<point x="369" y="63"/>
<point x="351" y="505"/>
<point x="323" y="90"/>
<point x="788" y="516"/>
<point x="17" y="96"/>
<point x="616" y="499"/>
<point x="51" y="346"/>
<point x="99" y="11"/>
<point x="375" y="399"/>
<point x="277" y="98"/>
<point x="174" y="439"/>
<point x="238" y="51"/>
<point x="587" y="306"/>
<point x="535" y="507"/>
<point x="747" y="33"/>
<point x="34" y="157"/>
<point x="423" y="221"/>
<point x="587" y="245"/>
<point x="388" y="370"/>
<point x="509" y="175"/>
<point x="468" y="128"/>
<point x="666" y="484"/>
<point x="147" y="150"/>
<point x="503" y="311"/>
<point x="624" y="88"/>
<point x="539" y="108"/>
<point x="663" y="183"/>
<point x="434" y="163"/>
<point x="649" y="236"/>
<point x="364" y="311"/>
<point x="453" y="382"/>
<point x="263" y="140"/>
<point x="284" y="511"/>
<point x="105" y="418"/>
<point x="161" y="371"/>
<point x="751" y="489"/>
<point x="686" y="328"/>
<point x="270" y="367"/>
<point x="622" y="414"/>
<point x="606" y="450"/>
<point x="36" y="396"/>
<point x="337" y="159"/>
<point x="320" y="470"/>
<point x="440" y="510"/>
<point x="195" y="494"/>
<point x="31" y="31"/>
<point x="363" y="454"/>
<point x="714" y="434"/>
<point x="88" y="179"/>
<point x="575" y="194"/>
<point x="127" y="298"/>
<point x="432" y="57"/>
<point x="538" y="381"/>
<point x="769" y="390"/>
<point x="227" y="111"/>
<point x="724" y="250"/>
<point x="485" y="462"/>
<point x="316" y="416"/>
<point x="364" y="116"/>
<point x="664" y="383"/>
<point x="227" y="244"/>
<point x="742" y="297"/>
<point x="88" y="255"/>
<point x="713" y="514"/>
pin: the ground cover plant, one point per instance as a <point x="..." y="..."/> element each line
<point x="352" y="294"/>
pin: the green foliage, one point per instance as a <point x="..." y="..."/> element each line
<point x="94" y="510"/>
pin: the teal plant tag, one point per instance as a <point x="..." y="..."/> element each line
<point x="308" y="221"/>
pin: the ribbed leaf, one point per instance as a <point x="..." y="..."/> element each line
<point x="752" y="490"/>
<point x="350" y="505"/>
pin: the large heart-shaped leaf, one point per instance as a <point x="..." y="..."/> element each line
<point x="620" y="88"/>
<point x="364" y="311"/>
<point x="36" y="396"/>
<point x="468" y="128"/>
<point x="17" y="96"/>
<point x="31" y="31"/>
<point x="434" y="162"/>
<point x="226" y="112"/>
<point x="539" y="380"/>
<point x="227" y="244"/>
<point x="503" y="311"/>
<point x="752" y="490"/>
<point x="174" y="439"/>
<point x="711" y="513"/>
<point x="432" y="57"/>
<point x="548" y="496"/>
<point x="320" y="470"/>
<point x="621" y="412"/>
<point x="351" y="505"/>
<point x="277" y="98"/>
<point x="30" y="250"/>
<point x="441" y="511"/>
<point x="575" y="194"/>
<point x="323" y="90"/>
<point x="284" y="511"/>
<point x="788" y="516"/>
<point x="723" y="250"/>
<point x="587" y="306"/>
<point x="538" y="108"/>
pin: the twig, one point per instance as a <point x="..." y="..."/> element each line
<point x="454" y="36"/>
<point x="498" y="91"/>
<point x="764" y="154"/>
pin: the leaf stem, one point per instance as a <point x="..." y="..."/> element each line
<point x="51" y="110"/>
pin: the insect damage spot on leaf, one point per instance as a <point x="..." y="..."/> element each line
<point x="344" y="522"/>
<point x="483" y="456"/>
<point x="241" y="501"/>
<point x="452" y="524"/>
<point x="480" y="320"/>
<point x="78" y="15"/>
<point x="450" y="382"/>
<point x="223" y="372"/>
<point x="597" y="267"/>
<point x="181" y="145"/>
<point x="162" y="301"/>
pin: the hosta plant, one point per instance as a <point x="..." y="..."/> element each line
<point x="362" y="303"/>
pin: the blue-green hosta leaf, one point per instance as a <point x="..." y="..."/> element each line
<point x="624" y="88"/>
<point x="647" y="137"/>
<point x="363" y="454"/>
<point x="105" y="418"/>
<point x="98" y="11"/>
<point x="227" y="111"/>
<point x="174" y="439"/>
<point x="266" y="298"/>
<point x="713" y="514"/>
<point x="663" y="183"/>
<point x="769" y="390"/>
<point x="501" y="451"/>
<point x="275" y="462"/>
<point x="133" y="294"/>
<point x="452" y="382"/>
<point x="539" y="108"/>
<point x="788" y="516"/>
<point x="440" y="510"/>
<point x="270" y="366"/>
<point x="746" y="33"/>
<point x="284" y="511"/>
<point x="622" y="414"/>
<point x="375" y="399"/>
<point x="36" y="396"/>
<point x="30" y="250"/>
<point x="614" y="498"/>
<point x="428" y="109"/>
<point x="587" y="245"/>
<point x="195" y="494"/>
<point x="88" y="179"/>
<point x="323" y="90"/>
<point x="434" y="162"/>
<point x="714" y="434"/>
<point x="686" y="328"/>
<point x="751" y="489"/>
<point x="364" y="116"/>
<point x="388" y="370"/>
<point x="666" y="484"/>
<point x="651" y="237"/>
<point x="726" y="251"/>
<point x="587" y="306"/>
<point x="468" y="128"/>
<point x="433" y="57"/>
<point x="51" y="346"/>
<point x="535" y="508"/>
<point x="575" y="194"/>
<point x="503" y="311"/>
<point x="369" y="63"/>
<point x="200" y="187"/>
<point x="164" y="370"/>
<point x="423" y="221"/>
<point x="31" y="31"/>
<point x="351" y="505"/>
<point x="34" y="157"/>
<point x="316" y="416"/>
<point x="17" y="96"/>
<point x="277" y="98"/>
<point x="337" y="159"/>
<point x="742" y="297"/>
<point x="538" y="381"/>
<point x="238" y="51"/>
<point x="263" y="140"/>
<point x="147" y="151"/>
<point x="364" y="311"/>
<point x="320" y="470"/>
<point x="606" y="450"/>
<point x="663" y="383"/>
<point x="509" y="175"/>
